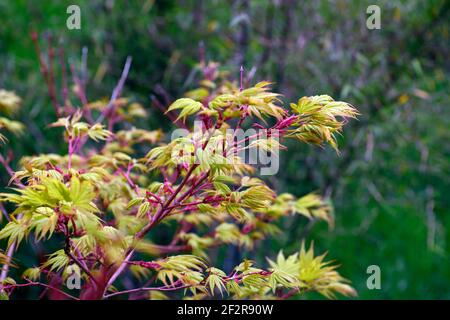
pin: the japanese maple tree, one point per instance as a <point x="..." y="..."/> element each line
<point x="104" y="197"/>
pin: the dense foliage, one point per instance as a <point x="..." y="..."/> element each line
<point x="389" y="183"/>
<point x="103" y="200"/>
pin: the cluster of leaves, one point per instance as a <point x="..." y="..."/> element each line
<point x="317" y="122"/>
<point x="104" y="200"/>
<point x="9" y="104"/>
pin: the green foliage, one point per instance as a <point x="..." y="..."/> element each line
<point x="258" y="100"/>
<point x="9" y="104"/>
<point x="15" y="231"/>
<point x="317" y="119"/>
<point x="76" y="129"/>
<point x="57" y="261"/>
<point x="304" y="272"/>
<point x="3" y="258"/>
<point x="104" y="203"/>
<point x="32" y="273"/>
<point x="187" y="106"/>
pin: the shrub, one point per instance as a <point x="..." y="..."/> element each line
<point x="117" y="183"/>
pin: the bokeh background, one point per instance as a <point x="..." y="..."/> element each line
<point x="391" y="183"/>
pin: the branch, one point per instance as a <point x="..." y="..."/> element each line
<point x="33" y="283"/>
<point x="172" y="287"/>
<point x="158" y="216"/>
<point x="110" y="108"/>
<point x="45" y="72"/>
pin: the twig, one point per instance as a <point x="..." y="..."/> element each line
<point x="158" y="216"/>
<point x="110" y="108"/>
<point x="33" y="283"/>
<point x="45" y="72"/>
<point x="65" y="90"/>
<point x="163" y="288"/>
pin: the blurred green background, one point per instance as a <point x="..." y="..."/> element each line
<point x="390" y="185"/>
